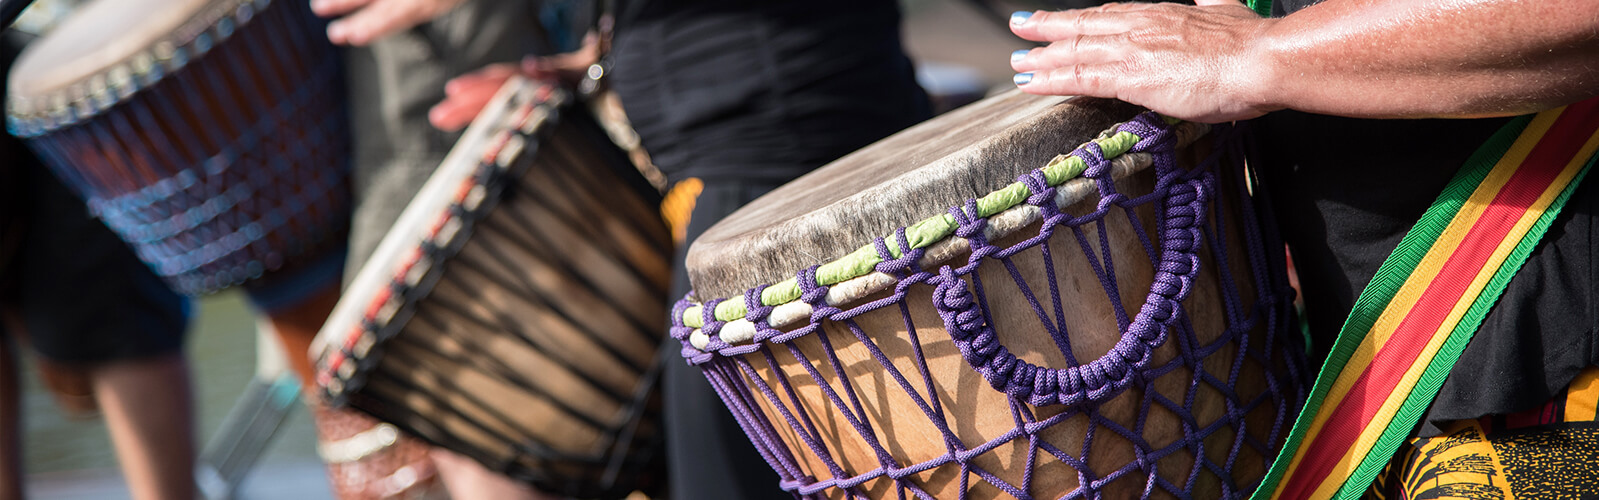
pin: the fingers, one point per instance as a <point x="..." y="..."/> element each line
<point x="466" y="95"/>
<point x="1082" y="79"/>
<point x="458" y="110"/>
<point x="1046" y="26"/>
<point x="377" y="18"/>
<point x="331" y="8"/>
<point x="1080" y="49"/>
<point x="493" y="74"/>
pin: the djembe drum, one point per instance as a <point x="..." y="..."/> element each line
<point x="514" y="313"/>
<point x="1113" y="324"/>
<point x="209" y="134"/>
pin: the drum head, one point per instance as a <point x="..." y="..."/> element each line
<point x="895" y="182"/>
<point x="104" y="33"/>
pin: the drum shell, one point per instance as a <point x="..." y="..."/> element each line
<point x="1229" y="314"/>
<point x="531" y="343"/>
<point x="228" y="168"/>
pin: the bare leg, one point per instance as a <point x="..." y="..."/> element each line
<point x="465" y="479"/>
<point x="297" y="327"/>
<point x="148" y="411"/>
<point x="10" y="419"/>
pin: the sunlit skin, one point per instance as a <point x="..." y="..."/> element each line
<point x="362" y="21"/>
<point x="1217" y="61"/>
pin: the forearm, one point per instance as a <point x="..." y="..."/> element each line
<point x="1426" y="58"/>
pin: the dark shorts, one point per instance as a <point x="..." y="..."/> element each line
<point x="82" y="295"/>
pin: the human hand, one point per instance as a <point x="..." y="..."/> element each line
<point x="362" y="21"/>
<point x="1194" y="62"/>
<point x="465" y="95"/>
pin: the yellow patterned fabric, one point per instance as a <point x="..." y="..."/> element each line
<point x="1548" y="452"/>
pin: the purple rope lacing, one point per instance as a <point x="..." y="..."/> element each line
<point x="1187" y="221"/>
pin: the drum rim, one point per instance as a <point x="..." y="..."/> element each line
<point x="35" y="115"/>
<point x="371" y="300"/>
<point x="854" y="276"/>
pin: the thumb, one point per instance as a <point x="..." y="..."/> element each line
<point x="1208" y="3"/>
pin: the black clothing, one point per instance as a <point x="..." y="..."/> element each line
<point x="746" y="95"/>
<point x="755" y="89"/>
<point x="1347" y="190"/>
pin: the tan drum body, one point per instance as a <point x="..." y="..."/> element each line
<point x="533" y="348"/>
<point x="977" y="414"/>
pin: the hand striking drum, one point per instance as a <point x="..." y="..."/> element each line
<point x="513" y="314"/>
<point x="1112" y="324"/>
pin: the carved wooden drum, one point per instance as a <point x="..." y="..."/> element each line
<point x="514" y="312"/>
<point x="209" y="134"/>
<point x="1006" y="302"/>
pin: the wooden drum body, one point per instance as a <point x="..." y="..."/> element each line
<point x="210" y="134"/>
<point x="1122" y="333"/>
<point x="513" y="314"/>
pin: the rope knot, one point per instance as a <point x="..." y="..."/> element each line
<point x="1094" y="158"/>
<point x="754" y="310"/>
<point x="967" y="224"/>
<point x="810" y="291"/>
<point x="1043" y="194"/>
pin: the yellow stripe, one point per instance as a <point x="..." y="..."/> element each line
<point x="1423" y="275"/>
<point x="1369" y="435"/>
<point x="1582" y="397"/>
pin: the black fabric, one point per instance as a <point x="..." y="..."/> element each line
<point x="701" y="435"/>
<point x="82" y="293"/>
<point x="757" y="89"/>
<point x="1347" y="190"/>
<point x="746" y="95"/>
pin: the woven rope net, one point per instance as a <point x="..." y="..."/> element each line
<point x="1130" y="346"/>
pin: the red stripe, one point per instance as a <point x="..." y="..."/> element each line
<point x="1547" y="159"/>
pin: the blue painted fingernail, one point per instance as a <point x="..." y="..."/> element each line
<point x="1019" y="18"/>
<point x="1017" y="56"/>
<point x="1022" y="78"/>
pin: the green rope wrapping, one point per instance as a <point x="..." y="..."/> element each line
<point x="922" y="234"/>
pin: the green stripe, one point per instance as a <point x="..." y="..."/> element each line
<point x="1261" y="7"/>
<point x="1433" y="378"/>
<point x="922" y="234"/>
<point x="1389" y="278"/>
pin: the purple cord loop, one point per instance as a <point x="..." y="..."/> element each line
<point x="754" y="310"/>
<point x="710" y="326"/>
<point x="906" y="264"/>
<point x="1097" y="165"/>
<point x="679" y="330"/>
<point x="1043" y="194"/>
<point x="1104" y="378"/>
<point x="968" y="224"/>
<point x="811" y="292"/>
<point x="1153" y="132"/>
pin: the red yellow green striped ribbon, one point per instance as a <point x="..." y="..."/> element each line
<point x="1426" y="301"/>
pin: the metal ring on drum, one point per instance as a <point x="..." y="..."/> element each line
<point x="210" y="135"/>
<point x="1028" y="297"/>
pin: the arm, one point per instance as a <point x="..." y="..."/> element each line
<point x="1364" y="58"/>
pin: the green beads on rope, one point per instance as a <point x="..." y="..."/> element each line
<point x="922" y="234"/>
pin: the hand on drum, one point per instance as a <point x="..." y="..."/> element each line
<point x="1195" y="62"/>
<point x="362" y="21"/>
<point x="465" y="95"/>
